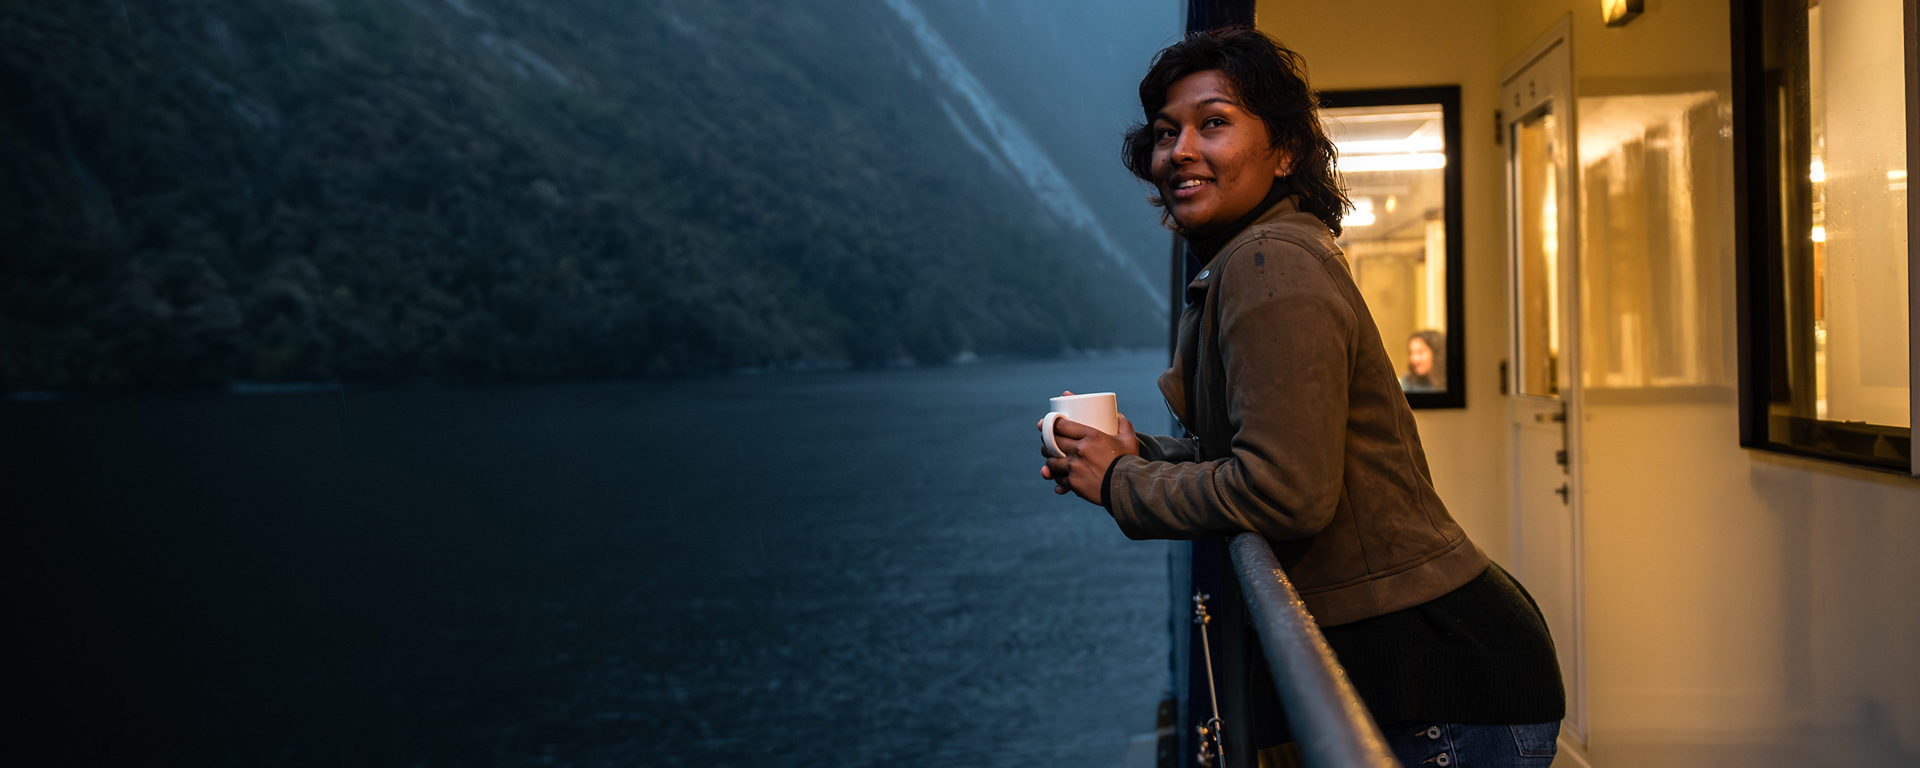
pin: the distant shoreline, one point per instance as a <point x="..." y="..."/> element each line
<point x="246" y="388"/>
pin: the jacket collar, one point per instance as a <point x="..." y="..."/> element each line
<point x="1203" y="250"/>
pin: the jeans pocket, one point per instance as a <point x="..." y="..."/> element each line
<point x="1537" y="739"/>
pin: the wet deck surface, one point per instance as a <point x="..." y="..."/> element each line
<point x="844" y="569"/>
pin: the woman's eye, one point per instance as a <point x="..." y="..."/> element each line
<point x="1163" y="134"/>
<point x="1213" y="122"/>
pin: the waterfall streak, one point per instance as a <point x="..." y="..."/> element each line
<point x="1023" y="156"/>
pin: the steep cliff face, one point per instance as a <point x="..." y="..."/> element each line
<point x="193" y="193"/>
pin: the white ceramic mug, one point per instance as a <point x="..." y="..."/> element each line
<point x="1100" y="410"/>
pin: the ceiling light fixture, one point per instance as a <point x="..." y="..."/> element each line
<point x="1420" y="161"/>
<point x="1619" y="12"/>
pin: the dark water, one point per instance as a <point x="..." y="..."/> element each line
<point x="844" y="569"/>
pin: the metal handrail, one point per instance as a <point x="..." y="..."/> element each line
<point x="1329" y="721"/>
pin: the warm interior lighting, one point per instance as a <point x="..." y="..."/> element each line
<point x="1618" y="12"/>
<point x="1819" y="173"/>
<point x="1550" y="248"/>
<point x="1420" y="161"/>
<point x="1819" y="234"/>
<point x="1419" y="142"/>
<point x="1362" y="214"/>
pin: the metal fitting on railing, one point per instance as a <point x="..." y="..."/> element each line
<point x="1211" y="748"/>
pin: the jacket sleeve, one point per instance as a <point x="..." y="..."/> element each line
<point x="1159" y="448"/>
<point x="1286" y="336"/>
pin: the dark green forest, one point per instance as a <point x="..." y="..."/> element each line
<point x="200" y="192"/>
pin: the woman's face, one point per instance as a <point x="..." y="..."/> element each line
<point x="1212" y="159"/>
<point x="1419" y="357"/>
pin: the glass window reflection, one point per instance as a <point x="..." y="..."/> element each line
<point x="1397" y="167"/>
<point x="1822" y="98"/>
<point x="1649" y="165"/>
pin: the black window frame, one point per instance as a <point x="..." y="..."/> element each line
<point x="1759" y="257"/>
<point x="1448" y="97"/>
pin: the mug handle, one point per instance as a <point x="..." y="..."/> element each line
<point x="1046" y="434"/>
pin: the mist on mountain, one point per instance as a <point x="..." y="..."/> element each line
<point x="202" y="193"/>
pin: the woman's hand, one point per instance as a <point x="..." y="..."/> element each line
<point x="1089" y="452"/>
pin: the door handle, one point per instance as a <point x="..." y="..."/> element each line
<point x="1562" y="490"/>
<point x="1546" y="417"/>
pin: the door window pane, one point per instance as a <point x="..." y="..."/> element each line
<point x="1538" y="233"/>
<point x="1652" y="306"/>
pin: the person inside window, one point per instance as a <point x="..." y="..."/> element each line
<point x="1300" y="429"/>
<point x="1426" y="362"/>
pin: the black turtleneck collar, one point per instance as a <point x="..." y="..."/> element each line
<point x="1202" y="250"/>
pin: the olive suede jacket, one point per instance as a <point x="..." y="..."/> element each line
<point x="1303" y="434"/>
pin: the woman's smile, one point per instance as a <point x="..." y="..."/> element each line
<point x="1186" y="188"/>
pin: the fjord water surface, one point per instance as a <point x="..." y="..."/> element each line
<point x="804" y="569"/>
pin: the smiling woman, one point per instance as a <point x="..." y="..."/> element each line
<point x="1201" y="122"/>
<point x="1301" y="432"/>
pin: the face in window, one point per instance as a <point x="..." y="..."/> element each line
<point x="1212" y="159"/>
<point x="1419" y="357"/>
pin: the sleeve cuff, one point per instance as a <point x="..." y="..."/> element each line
<point x="1106" y="484"/>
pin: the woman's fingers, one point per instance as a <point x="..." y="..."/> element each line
<point x="1067" y="434"/>
<point x="1070" y="429"/>
<point x="1129" y="440"/>
<point x="1058" y="478"/>
<point x="1067" y="446"/>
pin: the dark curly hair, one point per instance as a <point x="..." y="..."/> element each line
<point x="1271" y="81"/>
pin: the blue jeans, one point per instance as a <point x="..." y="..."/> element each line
<point x="1451" y="745"/>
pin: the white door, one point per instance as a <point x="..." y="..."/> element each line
<point x="1543" y="405"/>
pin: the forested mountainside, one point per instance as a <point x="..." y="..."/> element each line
<point x="197" y="192"/>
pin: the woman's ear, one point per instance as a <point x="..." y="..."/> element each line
<point x="1283" y="164"/>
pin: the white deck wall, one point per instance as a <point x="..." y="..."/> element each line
<point x="1742" y="608"/>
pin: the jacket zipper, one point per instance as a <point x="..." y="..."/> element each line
<point x="1193" y="395"/>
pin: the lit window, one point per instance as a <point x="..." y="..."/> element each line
<point x="1399" y="163"/>
<point x="1823" y="147"/>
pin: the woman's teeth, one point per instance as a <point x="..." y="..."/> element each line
<point x="1190" y="183"/>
